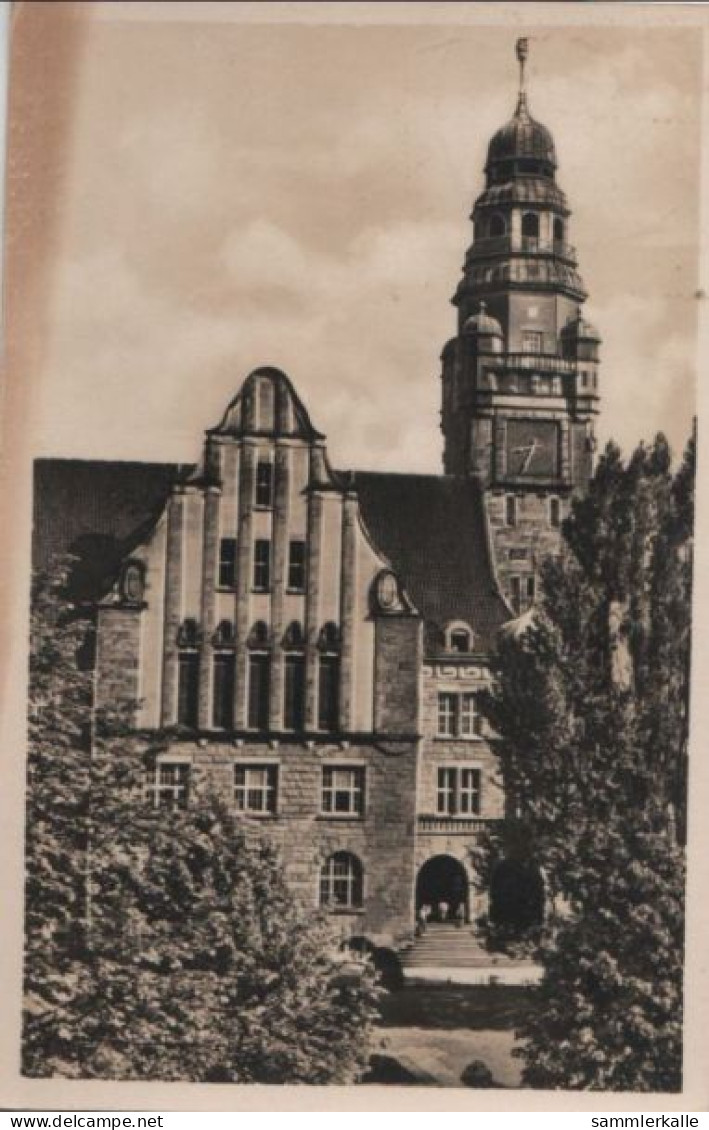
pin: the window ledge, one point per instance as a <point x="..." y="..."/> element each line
<point x="341" y="911"/>
<point x="295" y="592"/>
<point x="225" y="588"/>
<point x="352" y="817"/>
<point x="470" y="739"/>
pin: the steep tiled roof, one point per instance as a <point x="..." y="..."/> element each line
<point x="432" y="530"/>
<point x="97" y="511"/>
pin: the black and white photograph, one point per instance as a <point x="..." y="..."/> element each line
<point x="352" y="364"/>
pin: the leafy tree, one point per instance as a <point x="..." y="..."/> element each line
<point x="57" y="789"/>
<point x="177" y="951"/>
<point x="591" y="704"/>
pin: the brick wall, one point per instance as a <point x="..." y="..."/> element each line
<point x="398" y="655"/>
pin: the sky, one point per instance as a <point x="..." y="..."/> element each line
<point x="219" y="196"/>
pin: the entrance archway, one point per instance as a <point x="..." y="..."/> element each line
<point x="517" y="896"/>
<point x="442" y="885"/>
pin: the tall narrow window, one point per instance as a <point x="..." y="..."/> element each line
<point x="328" y="692"/>
<point x="296" y="566"/>
<point x="262" y="565"/>
<point x="555" y="512"/>
<point x="511" y="510"/>
<point x="470" y="717"/>
<point x="259" y="688"/>
<point x="447" y="710"/>
<point x="558" y="230"/>
<point x="264" y="482"/>
<point x="445" y="794"/>
<point x="530" y="225"/>
<point x="227" y="563"/>
<point x="294" y="692"/>
<point x="516" y="594"/>
<point x="188" y="688"/>
<point x="223" y="701"/>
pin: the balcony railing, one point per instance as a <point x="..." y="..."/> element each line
<point x="452" y="825"/>
<point x="521" y="244"/>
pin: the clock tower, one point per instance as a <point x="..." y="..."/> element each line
<point x="520" y="379"/>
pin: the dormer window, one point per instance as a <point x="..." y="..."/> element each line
<point x="459" y="638"/>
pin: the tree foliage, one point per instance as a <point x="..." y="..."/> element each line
<point x="591" y="705"/>
<point x="164" y="944"/>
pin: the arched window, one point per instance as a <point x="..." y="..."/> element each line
<point x="530" y="225"/>
<point x="341" y="881"/>
<point x="329" y="637"/>
<point x="189" y="638"/>
<point x="497" y="225"/>
<point x="293" y="636"/>
<point x="189" y="634"/>
<point x="558" y="230"/>
<point x="294" y="678"/>
<point x="132" y="582"/>
<point x="329" y="677"/>
<point x="258" y="636"/>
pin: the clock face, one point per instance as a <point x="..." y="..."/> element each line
<point x="532" y="449"/>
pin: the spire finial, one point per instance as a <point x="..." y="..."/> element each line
<point x="522" y="49"/>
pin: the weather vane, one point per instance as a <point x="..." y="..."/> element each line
<point x="522" y="49"/>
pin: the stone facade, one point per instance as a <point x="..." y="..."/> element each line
<point x="318" y="640"/>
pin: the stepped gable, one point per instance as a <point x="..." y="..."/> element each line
<point x="432" y="530"/>
<point x="97" y="511"/>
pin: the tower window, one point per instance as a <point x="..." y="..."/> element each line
<point x="223" y="699"/>
<point x="227" y="563"/>
<point x="262" y="566"/>
<point x="511" y="510"/>
<point x="259" y="691"/>
<point x="530" y="225"/>
<point x="558" y="231"/>
<point x="555" y="512"/>
<point x="531" y="341"/>
<point x="264" y="483"/>
<point x="497" y="225"/>
<point x="296" y="566"/>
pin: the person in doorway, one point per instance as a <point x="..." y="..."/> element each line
<point x="442" y="911"/>
<point x="460" y="915"/>
<point x="424" y="915"/>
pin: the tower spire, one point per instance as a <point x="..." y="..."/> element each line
<point x="522" y="50"/>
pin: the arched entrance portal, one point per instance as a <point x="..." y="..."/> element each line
<point x="442" y="885"/>
<point x="516" y="896"/>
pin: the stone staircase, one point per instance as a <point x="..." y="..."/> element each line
<point x="446" y="952"/>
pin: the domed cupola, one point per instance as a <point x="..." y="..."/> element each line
<point x="523" y="146"/>
<point x="486" y="329"/>
<point x="579" y="338"/>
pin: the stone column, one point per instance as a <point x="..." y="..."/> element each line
<point x="348" y="591"/>
<point x="244" y="560"/>
<point x="210" y="562"/>
<point x="173" y="603"/>
<point x="279" y="566"/>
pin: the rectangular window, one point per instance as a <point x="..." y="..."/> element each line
<point x="294" y="693"/>
<point x="296" y="566"/>
<point x="522" y="592"/>
<point x="227" y="563"/>
<point x="188" y="688"/>
<point x="511" y="509"/>
<point x="167" y="785"/>
<point x="264" y="482"/>
<point x="259" y="690"/>
<point x="328" y="692"/>
<point x="223" y="699"/>
<point x="458" y="791"/>
<point x="447" y="715"/>
<point x="458" y="715"/>
<point x="262" y="565"/>
<point x="555" y="512"/>
<point x="470" y="719"/>
<point x="531" y="341"/>
<point x="343" y="790"/>
<point x="255" y="788"/>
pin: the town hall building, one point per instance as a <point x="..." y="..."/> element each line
<point x="315" y="639"/>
